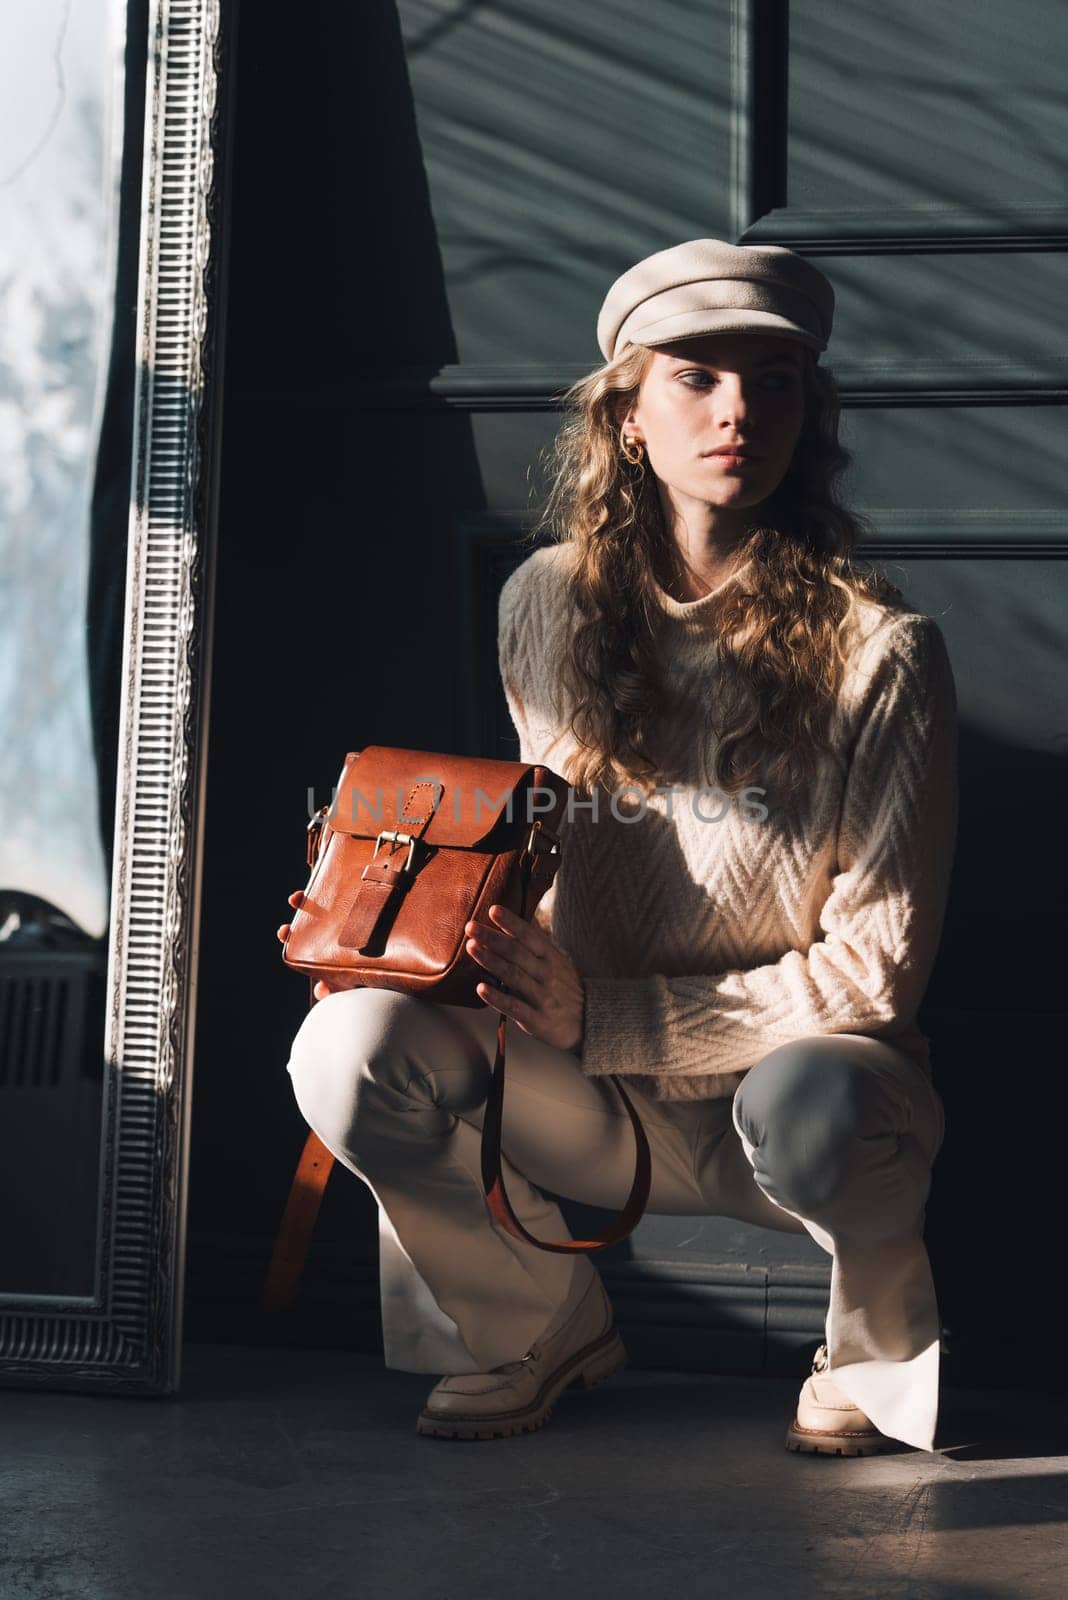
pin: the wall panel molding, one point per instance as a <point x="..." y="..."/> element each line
<point x="759" y="45"/>
<point x="759" y="203"/>
<point x="911" y="230"/>
<point x="485" y="541"/>
<point x="967" y="533"/>
<point x="966" y="381"/>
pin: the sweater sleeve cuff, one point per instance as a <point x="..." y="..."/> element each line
<point x="622" y="1025"/>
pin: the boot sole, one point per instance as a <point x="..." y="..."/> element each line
<point x="586" y="1368"/>
<point x="812" y="1442"/>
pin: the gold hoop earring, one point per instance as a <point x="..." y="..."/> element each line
<point x="635" y="460"/>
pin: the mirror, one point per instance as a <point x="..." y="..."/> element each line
<point x="113" y="167"/>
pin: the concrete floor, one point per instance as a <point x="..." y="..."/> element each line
<point x="297" y="1475"/>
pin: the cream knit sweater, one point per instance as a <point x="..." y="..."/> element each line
<point x="708" y="932"/>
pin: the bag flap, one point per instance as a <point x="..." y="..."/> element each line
<point x="476" y="802"/>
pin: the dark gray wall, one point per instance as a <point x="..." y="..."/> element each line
<point x="429" y="202"/>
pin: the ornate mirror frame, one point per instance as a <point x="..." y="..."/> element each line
<point x="126" y="1335"/>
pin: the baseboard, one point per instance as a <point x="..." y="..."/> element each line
<point x="689" y="1317"/>
<point x="673" y="1316"/>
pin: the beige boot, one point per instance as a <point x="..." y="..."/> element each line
<point x="581" y="1345"/>
<point x="829" y="1424"/>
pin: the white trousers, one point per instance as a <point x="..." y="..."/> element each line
<point x="834" y="1135"/>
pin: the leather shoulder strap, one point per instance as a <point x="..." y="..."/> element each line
<point x="297" y="1225"/>
<point x="493" y="1181"/>
<point x="500" y="1207"/>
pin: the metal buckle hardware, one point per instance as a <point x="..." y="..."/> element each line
<point x="315" y="828"/>
<point x="397" y="838"/>
<point x="528" y="851"/>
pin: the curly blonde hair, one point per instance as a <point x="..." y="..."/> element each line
<point x="780" y="626"/>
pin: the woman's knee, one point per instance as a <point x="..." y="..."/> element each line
<point x="363" y="1046"/>
<point x="350" y="1039"/>
<point x="803" y="1108"/>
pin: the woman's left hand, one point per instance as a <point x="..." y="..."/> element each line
<point x="545" y="993"/>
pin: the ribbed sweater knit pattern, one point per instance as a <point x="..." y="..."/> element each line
<point x="708" y="932"/>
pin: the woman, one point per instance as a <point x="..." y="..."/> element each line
<point x="761" y="744"/>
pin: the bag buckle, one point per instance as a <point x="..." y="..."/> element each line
<point x="397" y="838"/>
<point x="314" y="835"/>
<point x="529" y="850"/>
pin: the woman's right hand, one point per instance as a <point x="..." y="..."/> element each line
<point x="296" y="899"/>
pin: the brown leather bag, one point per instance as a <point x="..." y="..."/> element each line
<point x="463" y="833"/>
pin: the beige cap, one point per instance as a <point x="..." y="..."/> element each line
<point x="710" y="286"/>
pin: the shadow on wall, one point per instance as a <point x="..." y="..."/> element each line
<point x="995" y="1011"/>
<point x="331" y="630"/>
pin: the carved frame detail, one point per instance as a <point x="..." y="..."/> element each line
<point x="126" y="1336"/>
